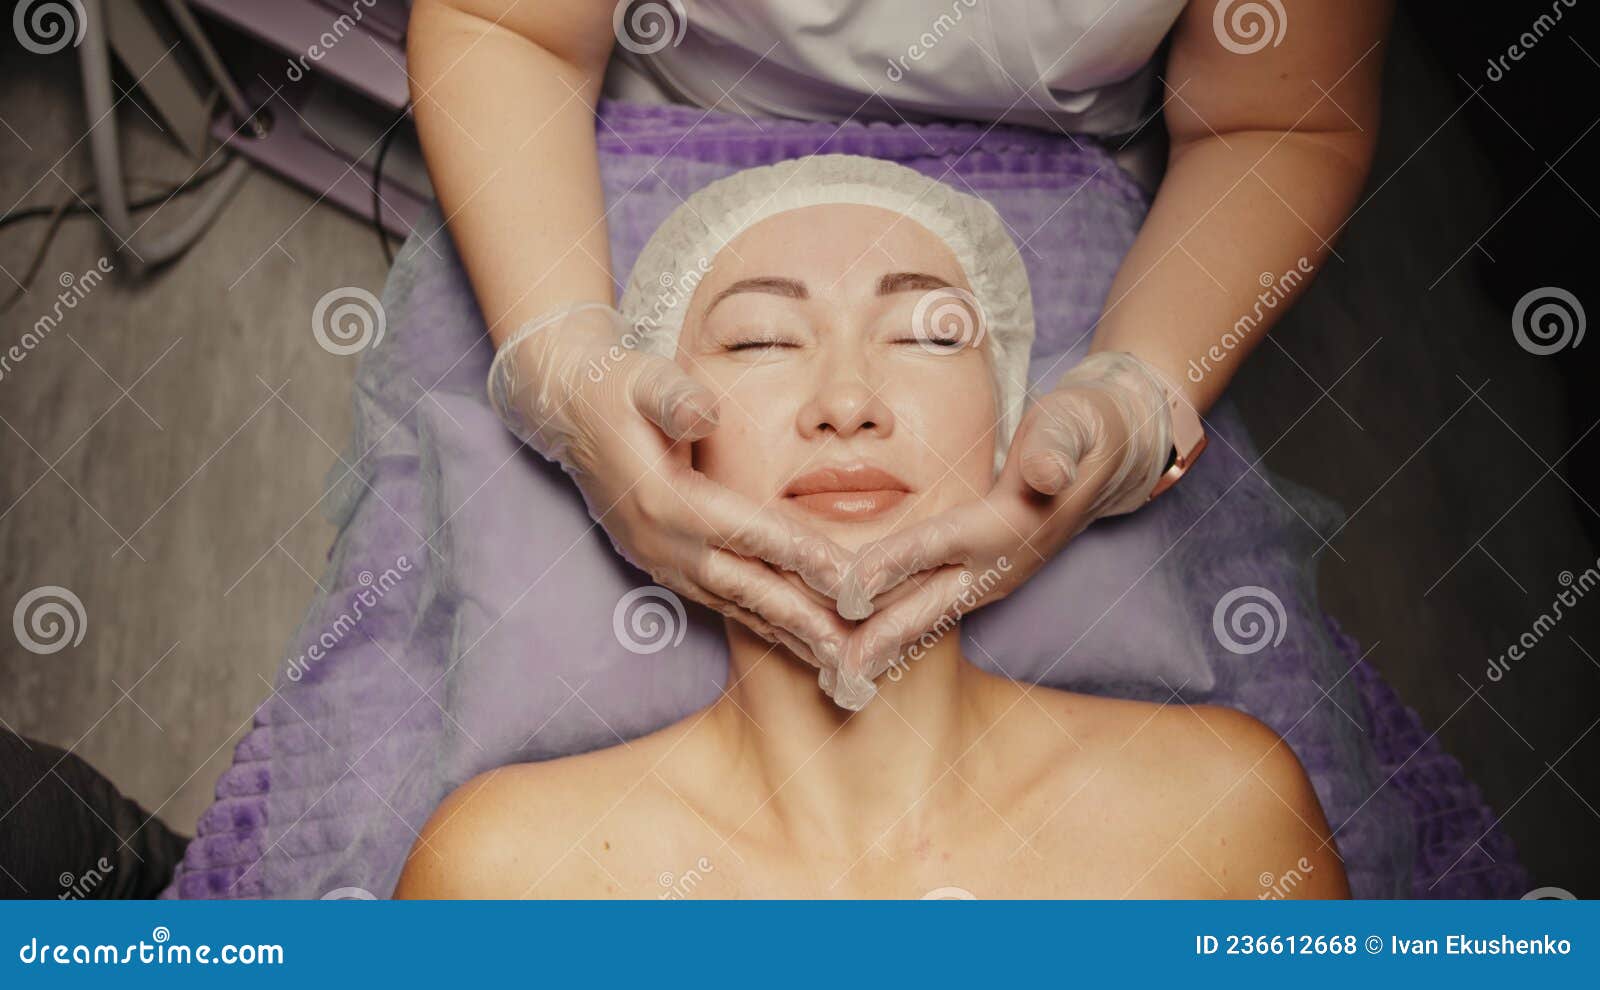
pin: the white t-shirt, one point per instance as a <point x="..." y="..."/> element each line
<point x="1075" y="65"/>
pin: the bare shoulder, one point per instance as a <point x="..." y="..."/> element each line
<point x="1257" y="816"/>
<point x="532" y="829"/>
<point x="1214" y="782"/>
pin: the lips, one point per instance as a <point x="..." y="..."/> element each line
<point x="847" y="492"/>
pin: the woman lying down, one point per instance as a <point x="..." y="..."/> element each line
<point x="868" y="330"/>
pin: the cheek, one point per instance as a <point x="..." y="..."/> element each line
<point x="739" y="454"/>
<point x="952" y="412"/>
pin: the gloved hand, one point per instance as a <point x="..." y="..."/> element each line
<point x="1094" y="446"/>
<point x="619" y="422"/>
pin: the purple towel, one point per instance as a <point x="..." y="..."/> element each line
<point x="373" y="722"/>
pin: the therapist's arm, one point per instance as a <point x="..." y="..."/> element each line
<point x="504" y="95"/>
<point x="1270" y="150"/>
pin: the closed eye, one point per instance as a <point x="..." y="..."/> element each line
<point x="755" y="344"/>
<point x="951" y="343"/>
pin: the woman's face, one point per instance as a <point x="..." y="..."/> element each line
<point x="843" y="401"/>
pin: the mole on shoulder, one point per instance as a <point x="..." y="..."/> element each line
<point x="605" y="844"/>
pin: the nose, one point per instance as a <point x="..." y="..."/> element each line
<point x="844" y="405"/>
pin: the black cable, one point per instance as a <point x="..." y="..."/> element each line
<point x="75" y="207"/>
<point x="377" y="181"/>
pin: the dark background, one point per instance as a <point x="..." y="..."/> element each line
<point x="1470" y="483"/>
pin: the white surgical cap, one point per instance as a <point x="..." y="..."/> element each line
<point x="680" y="252"/>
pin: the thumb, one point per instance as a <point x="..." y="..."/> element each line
<point x="669" y="397"/>
<point x="1054" y="439"/>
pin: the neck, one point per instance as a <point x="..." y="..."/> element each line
<point x="842" y="777"/>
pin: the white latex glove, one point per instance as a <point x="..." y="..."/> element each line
<point x="619" y="422"/>
<point x="1094" y="446"/>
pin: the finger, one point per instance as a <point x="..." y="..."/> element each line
<point x="942" y="539"/>
<point x="750" y="620"/>
<point x="930" y="611"/>
<point x="672" y="399"/>
<point x="848" y="691"/>
<point x="774" y="635"/>
<point x="749" y="529"/>
<point x="1053" y="438"/>
<point x="757" y="588"/>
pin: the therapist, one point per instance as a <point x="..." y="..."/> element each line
<point x="1270" y="109"/>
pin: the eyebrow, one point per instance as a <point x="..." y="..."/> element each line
<point x="790" y="288"/>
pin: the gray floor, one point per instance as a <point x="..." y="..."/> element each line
<point x="183" y="513"/>
<point x="209" y="467"/>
